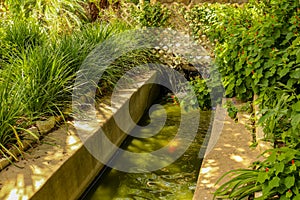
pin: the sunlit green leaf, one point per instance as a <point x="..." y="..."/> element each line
<point x="289" y="181"/>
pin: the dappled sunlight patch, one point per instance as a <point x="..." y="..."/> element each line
<point x="17" y="194"/>
<point x="207" y="172"/>
<point x="241" y="150"/>
<point x="20" y="180"/>
<point x="228" y="145"/>
<point x="36" y="170"/>
<point x="236" y="158"/>
<point x="237" y="134"/>
<point x="211" y="162"/>
<point x="73" y="142"/>
<point x="218" y="149"/>
<point x="38" y="183"/>
<point x="228" y="129"/>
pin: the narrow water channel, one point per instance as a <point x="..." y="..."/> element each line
<point x="176" y="181"/>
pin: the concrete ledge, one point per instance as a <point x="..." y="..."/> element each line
<point x="61" y="167"/>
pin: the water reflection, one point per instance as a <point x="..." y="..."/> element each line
<point x="176" y="181"/>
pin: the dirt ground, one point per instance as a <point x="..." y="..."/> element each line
<point x="231" y="151"/>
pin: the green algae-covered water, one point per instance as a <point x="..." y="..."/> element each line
<point x="176" y="181"/>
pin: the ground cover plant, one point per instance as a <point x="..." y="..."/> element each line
<point x="257" y="53"/>
<point x="256" y="50"/>
<point x="42" y="45"/>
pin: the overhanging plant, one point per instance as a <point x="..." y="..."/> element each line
<point x="277" y="177"/>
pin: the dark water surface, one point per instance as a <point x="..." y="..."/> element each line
<point x="176" y="181"/>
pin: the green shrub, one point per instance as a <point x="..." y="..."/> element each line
<point x="202" y="93"/>
<point x="280" y="115"/>
<point x="277" y="177"/>
<point x="55" y="15"/>
<point x="11" y="113"/>
<point x="37" y="72"/>
<point x="258" y="52"/>
<point x="46" y="77"/>
<point x="22" y="34"/>
<point x="151" y="15"/>
<point x="257" y="48"/>
<point x="256" y="45"/>
<point x="231" y="110"/>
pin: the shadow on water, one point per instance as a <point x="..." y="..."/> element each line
<point x="176" y="181"/>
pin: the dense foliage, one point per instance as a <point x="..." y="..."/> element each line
<point x="277" y="177"/>
<point x="42" y="46"/>
<point x="257" y="52"/>
<point x="262" y="39"/>
<point x="256" y="48"/>
<point x="149" y="15"/>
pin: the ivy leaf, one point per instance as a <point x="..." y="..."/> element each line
<point x="262" y="177"/>
<point x="293" y="168"/>
<point x="295" y="121"/>
<point x="296" y="107"/>
<point x="248" y="71"/>
<point x="296" y="74"/>
<point x="279" y="167"/>
<point x="283" y="72"/>
<point x="242" y="89"/>
<point x="284" y="198"/>
<point x="288" y="37"/>
<point x="229" y="88"/>
<point x="291" y="82"/>
<point x="289" y="181"/>
<point x="239" y="82"/>
<point x="272" y="157"/>
<point x="297" y="197"/>
<point x="276" y="34"/>
<point x="289" y="194"/>
<point x="296" y="188"/>
<point x="298" y="55"/>
<point x="275" y="182"/>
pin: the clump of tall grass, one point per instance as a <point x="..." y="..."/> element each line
<point x="22" y="34"/>
<point x="45" y="76"/>
<point x="42" y="46"/>
<point x="37" y="72"/>
<point x="55" y="15"/>
<point x="11" y="114"/>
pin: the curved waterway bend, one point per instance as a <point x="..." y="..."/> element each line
<point x="176" y="181"/>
